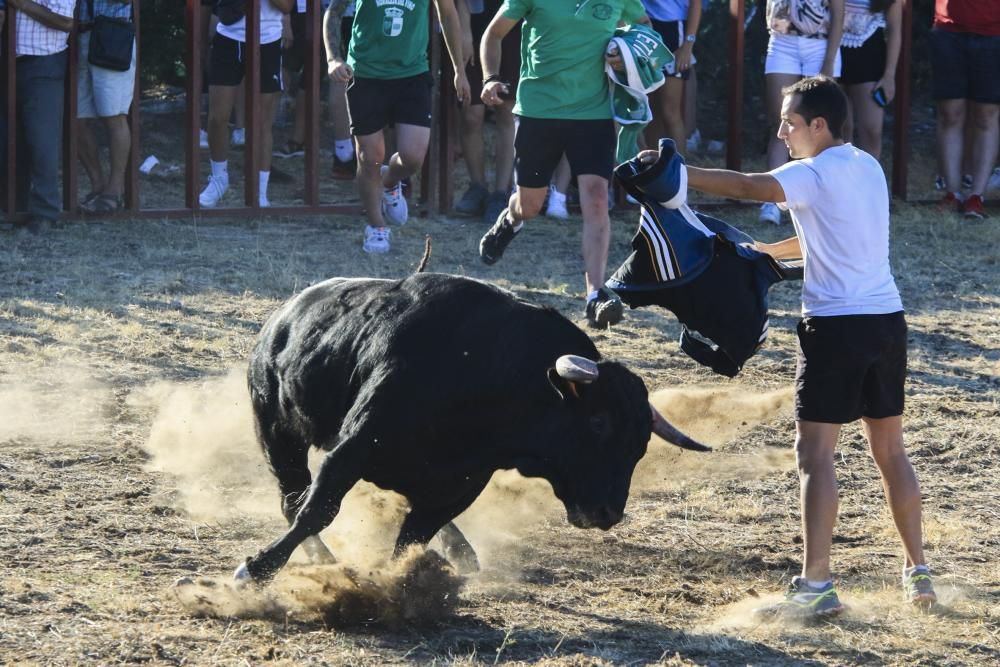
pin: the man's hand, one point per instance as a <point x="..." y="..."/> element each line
<point x="462" y="91"/>
<point x="492" y="92"/>
<point x="614" y="58"/>
<point x="341" y="72"/>
<point x="682" y="57"/>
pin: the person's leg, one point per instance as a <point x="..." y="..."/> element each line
<point x="596" y="229"/>
<point x="986" y="126"/>
<point x="89" y="154"/>
<point x="119" y="142"/>
<point x="866" y="119"/>
<point x="950" y="129"/>
<point x="471" y="139"/>
<point x="670" y="101"/>
<point x="265" y="129"/>
<point x="815" y="443"/>
<point x="220" y="105"/>
<point x="503" y="144"/>
<point x="371" y="156"/>
<point x="411" y="149"/>
<point x="691" y="102"/>
<point x="299" y="124"/>
<point x="42" y="119"/>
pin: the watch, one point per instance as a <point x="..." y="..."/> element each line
<point x="690" y="38"/>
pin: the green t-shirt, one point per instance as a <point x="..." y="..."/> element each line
<point x="389" y="39"/>
<point x="562" y="55"/>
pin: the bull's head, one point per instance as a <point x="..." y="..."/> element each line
<point x="609" y="425"/>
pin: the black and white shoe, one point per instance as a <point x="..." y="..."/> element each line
<point x="496" y="240"/>
<point x="605" y="310"/>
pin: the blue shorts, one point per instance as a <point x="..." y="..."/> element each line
<point x="965" y="66"/>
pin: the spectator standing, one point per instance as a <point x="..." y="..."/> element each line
<point x="225" y="73"/>
<point x="387" y="60"/>
<point x="105" y="94"/>
<point x="677" y="22"/>
<point x="478" y="199"/>
<point x="42" y="28"/>
<point x="965" y="76"/>
<point x="345" y="162"/>
<point x="804" y="41"/>
<point x="852" y="336"/>
<point x="869" y="53"/>
<point x="562" y="107"/>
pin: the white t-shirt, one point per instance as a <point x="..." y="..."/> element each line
<point x="270" y="25"/>
<point x="840" y="208"/>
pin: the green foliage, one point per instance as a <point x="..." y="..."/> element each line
<point x="162" y="41"/>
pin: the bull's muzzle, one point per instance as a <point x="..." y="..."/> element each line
<point x="668" y="432"/>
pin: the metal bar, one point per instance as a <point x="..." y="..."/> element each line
<point x="734" y="138"/>
<point x="134" y="120"/>
<point x="251" y="83"/>
<point x="901" y="108"/>
<point x="312" y="73"/>
<point x="10" y="95"/>
<point x="192" y="110"/>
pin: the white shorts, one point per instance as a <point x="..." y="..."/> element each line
<point x="102" y="93"/>
<point x="794" y="54"/>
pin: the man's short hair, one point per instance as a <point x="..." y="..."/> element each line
<point x="820" y="97"/>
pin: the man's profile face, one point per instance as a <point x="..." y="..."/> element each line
<point x="797" y="134"/>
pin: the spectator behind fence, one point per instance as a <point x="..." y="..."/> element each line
<point x="479" y="200"/>
<point x="387" y="58"/>
<point x="562" y="107"/>
<point x="804" y="41"/>
<point x="42" y="28"/>
<point x="105" y="94"/>
<point x="965" y="75"/>
<point x="225" y="73"/>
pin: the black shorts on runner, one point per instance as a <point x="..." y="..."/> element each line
<point x="510" y="53"/>
<point x="964" y="66"/>
<point x="373" y="104"/>
<point x="865" y="63"/>
<point x="673" y="36"/>
<point x="226" y="64"/>
<point x="539" y="143"/>
<point x="850" y="366"/>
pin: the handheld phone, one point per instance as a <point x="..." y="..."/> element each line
<point x="879" y="96"/>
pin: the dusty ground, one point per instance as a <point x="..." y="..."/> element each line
<point x="127" y="461"/>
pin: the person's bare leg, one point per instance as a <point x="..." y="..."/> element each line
<point x="471" y="138"/>
<point x="371" y="155"/>
<point x="525" y="204"/>
<point x="691" y="102"/>
<point x="671" y="100"/>
<point x="562" y="175"/>
<point x="89" y="153"/>
<point x="240" y="108"/>
<point x="503" y="144"/>
<point x="220" y="106"/>
<point x="120" y="141"/>
<point x="902" y="490"/>
<point x="411" y="149"/>
<point x="818" y="497"/>
<point x="950" y="131"/>
<point x="596" y="229"/>
<point x="777" y="152"/>
<point x="265" y="134"/>
<point x="866" y="117"/>
<point x="984" y="146"/>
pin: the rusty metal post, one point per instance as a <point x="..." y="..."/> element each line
<point x="134" y="121"/>
<point x="901" y="107"/>
<point x="10" y="95"/>
<point x="251" y="83"/>
<point x="734" y="138"/>
<point x="192" y="109"/>
<point x="312" y="72"/>
<point x="70" y="133"/>
<point x="445" y="121"/>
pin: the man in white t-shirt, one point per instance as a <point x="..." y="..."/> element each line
<point x="852" y="336"/>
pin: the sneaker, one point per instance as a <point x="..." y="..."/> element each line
<point x="950" y="202"/>
<point x="290" y="149"/>
<point x="394" y="208"/>
<point x="473" y="201"/>
<point x="344" y="170"/>
<point x="496" y="240"/>
<point x="604" y="310"/>
<point x="556" y="207"/>
<point x="939" y="183"/>
<point x="263" y="201"/>
<point x="239" y="137"/>
<point x="994" y="182"/>
<point x="769" y="212"/>
<point x="802" y="601"/>
<point x="213" y="192"/>
<point x="973" y="207"/>
<point x="694" y="142"/>
<point x="203" y="138"/>
<point x="967" y="181"/>
<point x="376" y="240"/>
<point x="917" y="586"/>
<point x="496" y="202"/>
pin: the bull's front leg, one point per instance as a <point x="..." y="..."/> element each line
<point x="340" y="471"/>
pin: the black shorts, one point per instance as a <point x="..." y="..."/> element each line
<point x="964" y="66"/>
<point x="373" y="104"/>
<point x="510" y="53"/>
<point x="539" y="143"/>
<point x="865" y="63"/>
<point x="226" y="64"/>
<point x="673" y="36"/>
<point x="850" y="366"/>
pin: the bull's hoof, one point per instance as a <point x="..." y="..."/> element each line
<point x="242" y="576"/>
<point x="464" y="559"/>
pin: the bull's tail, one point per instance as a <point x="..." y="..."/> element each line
<point x="427" y="255"/>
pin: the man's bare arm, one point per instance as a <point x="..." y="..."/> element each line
<point x="736" y="185"/>
<point x="337" y="68"/>
<point x="489" y="55"/>
<point x="787" y="249"/>
<point x="43" y="15"/>
<point x="451" y="29"/>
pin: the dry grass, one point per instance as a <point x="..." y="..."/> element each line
<point x="127" y="461"/>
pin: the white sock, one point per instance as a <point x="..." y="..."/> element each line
<point x="556" y="196"/>
<point x="220" y="169"/>
<point x="264" y="177"/>
<point x="910" y="571"/>
<point x="343" y="149"/>
<point x="593" y="295"/>
<point x="816" y="585"/>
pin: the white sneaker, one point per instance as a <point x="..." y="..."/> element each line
<point x="694" y="142"/>
<point x="770" y="213"/>
<point x="556" y="207"/>
<point x="376" y="240"/>
<point x="203" y="138"/>
<point x="994" y="182"/>
<point x="263" y="201"/>
<point x="239" y="136"/>
<point x="394" y="208"/>
<point x="213" y="192"/>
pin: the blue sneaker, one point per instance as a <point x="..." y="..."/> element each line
<point x="918" y="587"/>
<point x="804" y="602"/>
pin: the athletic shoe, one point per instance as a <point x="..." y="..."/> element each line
<point x="918" y="587"/>
<point x="605" y="310"/>
<point x="376" y="240"/>
<point x="213" y="192"/>
<point x="344" y="170"/>
<point x="967" y="181"/>
<point x="290" y="149"/>
<point x="203" y="138"/>
<point x="473" y="201"/>
<point x="394" y="208"/>
<point x="694" y="142"/>
<point x="950" y="202"/>
<point x="769" y="212"/>
<point x="556" y="207"/>
<point x="496" y="202"/>
<point x="939" y="183"/>
<point x="994" y="182"/>
<point x="263" y="201"/>
<point x="239" y="137"/>
<point x="803" y="601"/>
<point x="973" y="207"/>
<point x="496" y="240"/>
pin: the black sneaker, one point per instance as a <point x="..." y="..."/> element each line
<point x="344" y="170"/>
<point x="496" y="240"/>
<point x="473" y="201"/>
<point x="604" y="311"/>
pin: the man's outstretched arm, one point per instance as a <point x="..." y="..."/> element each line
<point x="787" y="249"/>
<point x="736" y="185"/>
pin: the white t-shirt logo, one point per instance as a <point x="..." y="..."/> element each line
<point x="392" y="25"/>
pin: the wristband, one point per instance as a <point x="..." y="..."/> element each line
<point x="491" y="78"/>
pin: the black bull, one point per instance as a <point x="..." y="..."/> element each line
<point x="428" y="385"/>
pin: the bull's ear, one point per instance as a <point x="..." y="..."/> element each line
<point x="567" y="389"/>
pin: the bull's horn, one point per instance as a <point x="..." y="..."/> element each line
<point x="668" y="432"/>
<point x="578" y="369"/>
